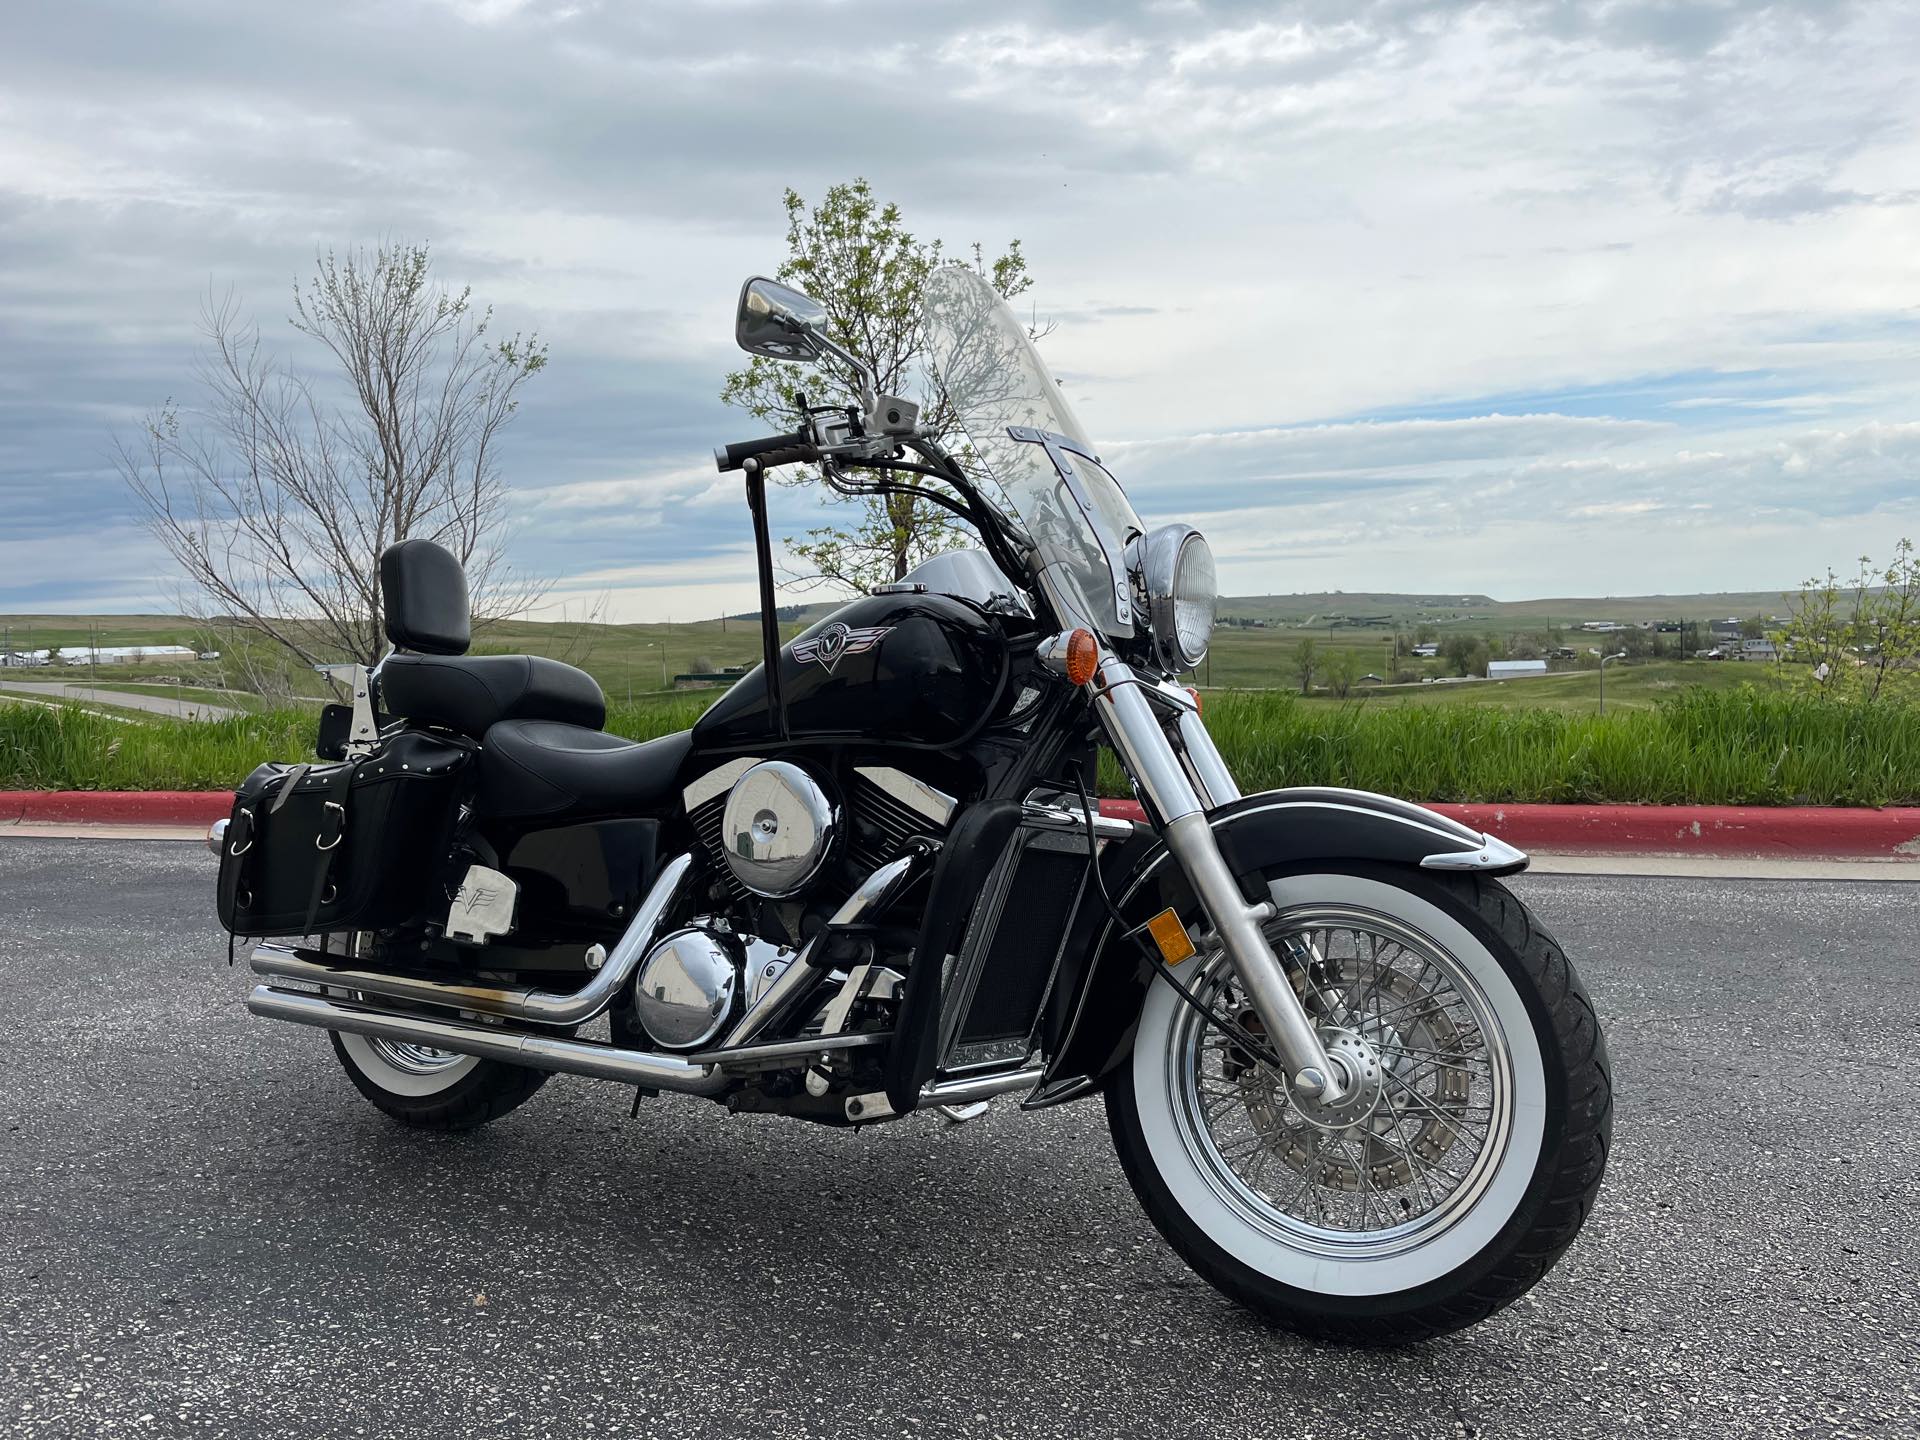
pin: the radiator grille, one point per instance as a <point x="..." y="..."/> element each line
<point x="998" y="985"/>
<point x="1026" y="940"/>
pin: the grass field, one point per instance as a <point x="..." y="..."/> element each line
<point x="1727" y="746"/>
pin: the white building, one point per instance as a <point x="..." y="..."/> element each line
<point x="1514" y="669"/>
<point x="123" y="654"/>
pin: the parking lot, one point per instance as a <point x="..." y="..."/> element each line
<point x="205" y="1231"/>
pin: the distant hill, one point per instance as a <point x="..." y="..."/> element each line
<point x="1366" y="608"/>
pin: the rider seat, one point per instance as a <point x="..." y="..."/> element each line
<point x="549" y="771"/>
<point x="431" y="680"/>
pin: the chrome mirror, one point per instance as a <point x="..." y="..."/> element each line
<point x="778" y="322"/>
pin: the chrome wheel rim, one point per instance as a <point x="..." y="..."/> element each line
<point x="413" y="1059"/>
<point x="1397" y="1163"/>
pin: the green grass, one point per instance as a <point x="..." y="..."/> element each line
<point x="69" y="748"/>
<point x="1741" y="746"/>
<point x="1630" y="686"/>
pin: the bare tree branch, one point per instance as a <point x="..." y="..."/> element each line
<point x="275" y="499"/>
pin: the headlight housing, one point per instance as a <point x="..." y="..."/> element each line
<point x="1182" y="591"/>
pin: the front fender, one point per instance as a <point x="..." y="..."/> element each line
<point x="1094" y="1016"/>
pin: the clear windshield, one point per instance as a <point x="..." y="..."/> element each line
<point x="993" y="377"/>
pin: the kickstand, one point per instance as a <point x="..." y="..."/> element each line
<point x="640" y="1092"/>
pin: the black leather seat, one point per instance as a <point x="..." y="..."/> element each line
<point x="543" y="769"/>
<point x="430" y="678"/>
<point x="473" y="693"/>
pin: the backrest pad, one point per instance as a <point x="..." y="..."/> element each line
<point x="425" y="592"/>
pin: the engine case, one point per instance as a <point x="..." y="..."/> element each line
<point x="684" y="993"/>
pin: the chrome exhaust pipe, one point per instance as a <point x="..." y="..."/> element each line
<point x="539" y="1007"/>
<point x="489" y="1042"/>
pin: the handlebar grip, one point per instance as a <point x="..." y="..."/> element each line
<point x="770" y="450"/>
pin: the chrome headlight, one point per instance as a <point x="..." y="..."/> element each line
<point x="1177" y="569"/>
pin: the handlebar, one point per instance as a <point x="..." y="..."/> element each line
<point x="770" y="450"/>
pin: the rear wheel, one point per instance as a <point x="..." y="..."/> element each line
<point x="432" y="1089"/>
<point x="1439" y="1191"/>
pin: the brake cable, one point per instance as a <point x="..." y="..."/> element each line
<point x="1233" y="1030"/>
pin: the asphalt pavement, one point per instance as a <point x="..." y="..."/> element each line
<point x="205" y="1231"/>
<point x="171" y="705"/>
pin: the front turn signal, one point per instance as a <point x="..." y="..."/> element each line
<point x="1083" y="657"/>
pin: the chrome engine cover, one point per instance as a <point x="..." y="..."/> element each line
<point x="778" y="829"/>
<point x="684" y="992"/>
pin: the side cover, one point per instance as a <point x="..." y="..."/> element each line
<point x="1095" y="1008"/>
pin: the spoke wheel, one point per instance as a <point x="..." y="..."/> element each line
<point x="1408" y="1149"/>
<point x="1439" y="1186"/>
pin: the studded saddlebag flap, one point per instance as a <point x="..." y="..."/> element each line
<point x="355" y="845"/>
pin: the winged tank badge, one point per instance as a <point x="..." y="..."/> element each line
<point x="836" y="640"/>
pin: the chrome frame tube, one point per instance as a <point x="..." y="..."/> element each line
<point x="1148" y="753"/>
<point x="984" y="1087"/>
<point x="540" y="1007"/>
<point x="802" y="977"/>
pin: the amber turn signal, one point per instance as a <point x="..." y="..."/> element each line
<point x="1197" y="705"/>
<point x="1083" y="657"/>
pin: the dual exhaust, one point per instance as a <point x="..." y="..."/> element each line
<point x="491" y="1042"/>
<point x="494" y="1023"/>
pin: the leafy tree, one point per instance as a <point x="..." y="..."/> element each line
<point x="1459" y="651"/>
<point x="1305" y="659"/>
<point x="1859" y="639"/>
<point x="275" y="499"/>
<point x="855" y="256"/>
<point x="1341" y="671"/>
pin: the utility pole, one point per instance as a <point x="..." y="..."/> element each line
<point x="1603" y="677"/>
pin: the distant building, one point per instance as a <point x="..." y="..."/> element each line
<point x="1755" y="650"/>
<point x="1601" y="627"/>
<point x="1426" y="652"/>
<point x="1514" y="669"/>
<point x="124" y="654"/>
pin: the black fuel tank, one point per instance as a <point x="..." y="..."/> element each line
<point x="924" y="670"/>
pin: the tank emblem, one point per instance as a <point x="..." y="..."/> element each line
<point x="837" y="640"/>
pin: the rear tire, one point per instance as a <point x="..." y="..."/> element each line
<point x="1319" y="1265"/>
<point x="430" y="1089"/>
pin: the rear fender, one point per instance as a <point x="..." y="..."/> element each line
<point x="1274" y="830"/>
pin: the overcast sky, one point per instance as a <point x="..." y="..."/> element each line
<point x="1529" y="299"/>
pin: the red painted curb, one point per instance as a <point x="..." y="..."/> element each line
<point x="1798" y="831"/>
<point x="114" y="807"/>
<point x="1563" y="829"/>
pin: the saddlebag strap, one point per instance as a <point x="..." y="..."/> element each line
<point x="333" y="829"/>
<point x="293" y="778"/>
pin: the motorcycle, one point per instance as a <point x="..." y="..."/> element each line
<point x="1351" y="1079"/>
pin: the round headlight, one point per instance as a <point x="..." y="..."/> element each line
<point x="1181" y="591"/>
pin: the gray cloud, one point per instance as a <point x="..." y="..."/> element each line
<point x="1240" y="217"/>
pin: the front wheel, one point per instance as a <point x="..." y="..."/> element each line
<point x="1440" y="1191"/>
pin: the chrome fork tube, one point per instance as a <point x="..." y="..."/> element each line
<point x="1205" y="758"/>
<point x="1149" y="757"/>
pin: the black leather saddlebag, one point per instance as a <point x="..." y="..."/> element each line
<point x="355" y="845"/>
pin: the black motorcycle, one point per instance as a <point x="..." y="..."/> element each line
<point x="1352" y="1080"/>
